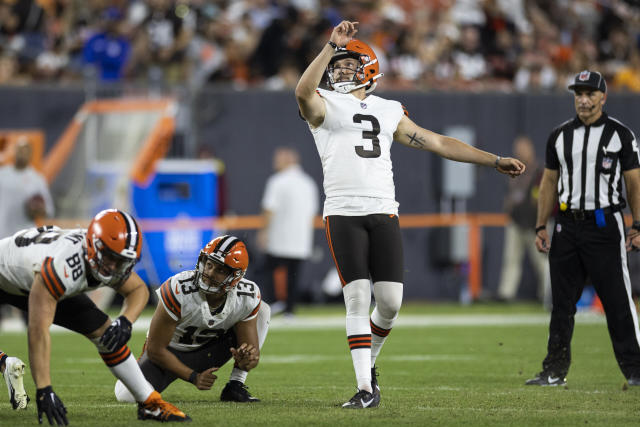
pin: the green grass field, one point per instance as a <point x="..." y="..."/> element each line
<point x="447" y="372"/>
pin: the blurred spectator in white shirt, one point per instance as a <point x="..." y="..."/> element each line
<point x="24" y="193"/>
<point x="289" y="204"/>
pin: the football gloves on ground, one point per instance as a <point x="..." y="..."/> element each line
<point x="117" y="334"/>
<point x="50" y="404"/>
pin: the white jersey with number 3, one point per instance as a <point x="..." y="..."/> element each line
<point x="354" y="144"/>
<point x="197" y="325"/>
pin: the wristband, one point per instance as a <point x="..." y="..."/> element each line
<point x="44" y="390"/>
<point x="193" y="376"/>
<point x="636" y="225"/>
<point x="495" y="164"/>
<point x="333" y="45"/>
<point x="539" y="229"/>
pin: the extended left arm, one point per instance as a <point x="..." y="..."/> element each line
<point x="247" y="355"/>
<point x="410" y="134"/>
<point x="135" y="293"/>
<point x="136" y="296"/>
<point x="632" y="183"/>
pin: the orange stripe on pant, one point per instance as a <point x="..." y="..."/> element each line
<point x="333" y="255"/>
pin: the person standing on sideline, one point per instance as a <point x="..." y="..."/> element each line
<point x="521" y="205"/>
<point x="353" y="132"/>
<point x="289" y="206"/>
<point x="587" y="159"/>
<point x="24" y="193"/>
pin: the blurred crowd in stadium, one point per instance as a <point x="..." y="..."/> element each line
<point x="471" y="45"/>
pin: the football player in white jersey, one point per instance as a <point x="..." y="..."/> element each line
<point x="46" y="272"/>
<point x="204" y="318"/>
<point x="353" y="132"/>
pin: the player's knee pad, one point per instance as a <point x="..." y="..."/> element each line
<point x="122" y="393"/>
<point x="388" y="298"/>
<point x="357" y="297"/>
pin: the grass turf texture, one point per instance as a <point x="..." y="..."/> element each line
<point x="434" y="375"/>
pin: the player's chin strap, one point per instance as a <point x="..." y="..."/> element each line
<point x="348" y="87"/>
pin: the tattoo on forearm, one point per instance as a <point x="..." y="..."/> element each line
<point x="416" y="141"/>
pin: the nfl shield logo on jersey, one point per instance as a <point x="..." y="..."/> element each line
<point x="584" y="76"/>
<point x="363" y="105"/>
<point x="607" y="162"/>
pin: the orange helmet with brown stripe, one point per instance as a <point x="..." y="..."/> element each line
<point x="221" y="265"/>
<point x="366" y="72"/>
<point x="114" y="244"/>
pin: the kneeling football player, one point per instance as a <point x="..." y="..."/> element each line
<point x="204" y="318"/>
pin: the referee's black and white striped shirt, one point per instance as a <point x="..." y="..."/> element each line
<point x="591" y="160"/>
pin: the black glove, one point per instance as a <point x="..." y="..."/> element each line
<point x="51" y="405"/>
<point x="117" y="334"/>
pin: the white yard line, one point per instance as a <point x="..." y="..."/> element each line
<point x="337" y="321"/>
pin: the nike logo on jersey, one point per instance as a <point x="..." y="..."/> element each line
<point x="366" y="404"/>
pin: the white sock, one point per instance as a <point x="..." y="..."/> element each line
<point x="238" y="374"/>
<point x="388" y="301"/>
<point x="124" y="367"/>
<point x="357" y="299"/>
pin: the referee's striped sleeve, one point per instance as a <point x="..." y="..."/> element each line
<point x="169" y="300"/>
<point x="52" y="281"/>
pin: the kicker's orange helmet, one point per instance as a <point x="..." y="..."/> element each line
<point x="114" y="243"/>
<point x="367" y="72"/>
<point x="227" y="252"/>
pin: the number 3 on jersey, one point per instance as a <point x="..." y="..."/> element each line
<point x="369" y="134"/>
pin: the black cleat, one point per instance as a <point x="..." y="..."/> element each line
<point x="547" y="379"/>
<point x="633" y="380"/>
<point x="363" y="399"/>
<point x="235" y="391"/>
<point x="374" y="383"/>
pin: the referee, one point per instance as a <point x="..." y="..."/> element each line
<point x="586" y="160"/>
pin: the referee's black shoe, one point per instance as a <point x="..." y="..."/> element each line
<point x="633" y="380"/>
<point x="547" y="379"/>
<point x="235" y="391"/>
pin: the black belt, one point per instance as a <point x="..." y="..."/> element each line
<point x="581" y="214"/>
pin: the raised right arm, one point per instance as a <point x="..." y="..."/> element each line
<point x="311" y="105"/>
